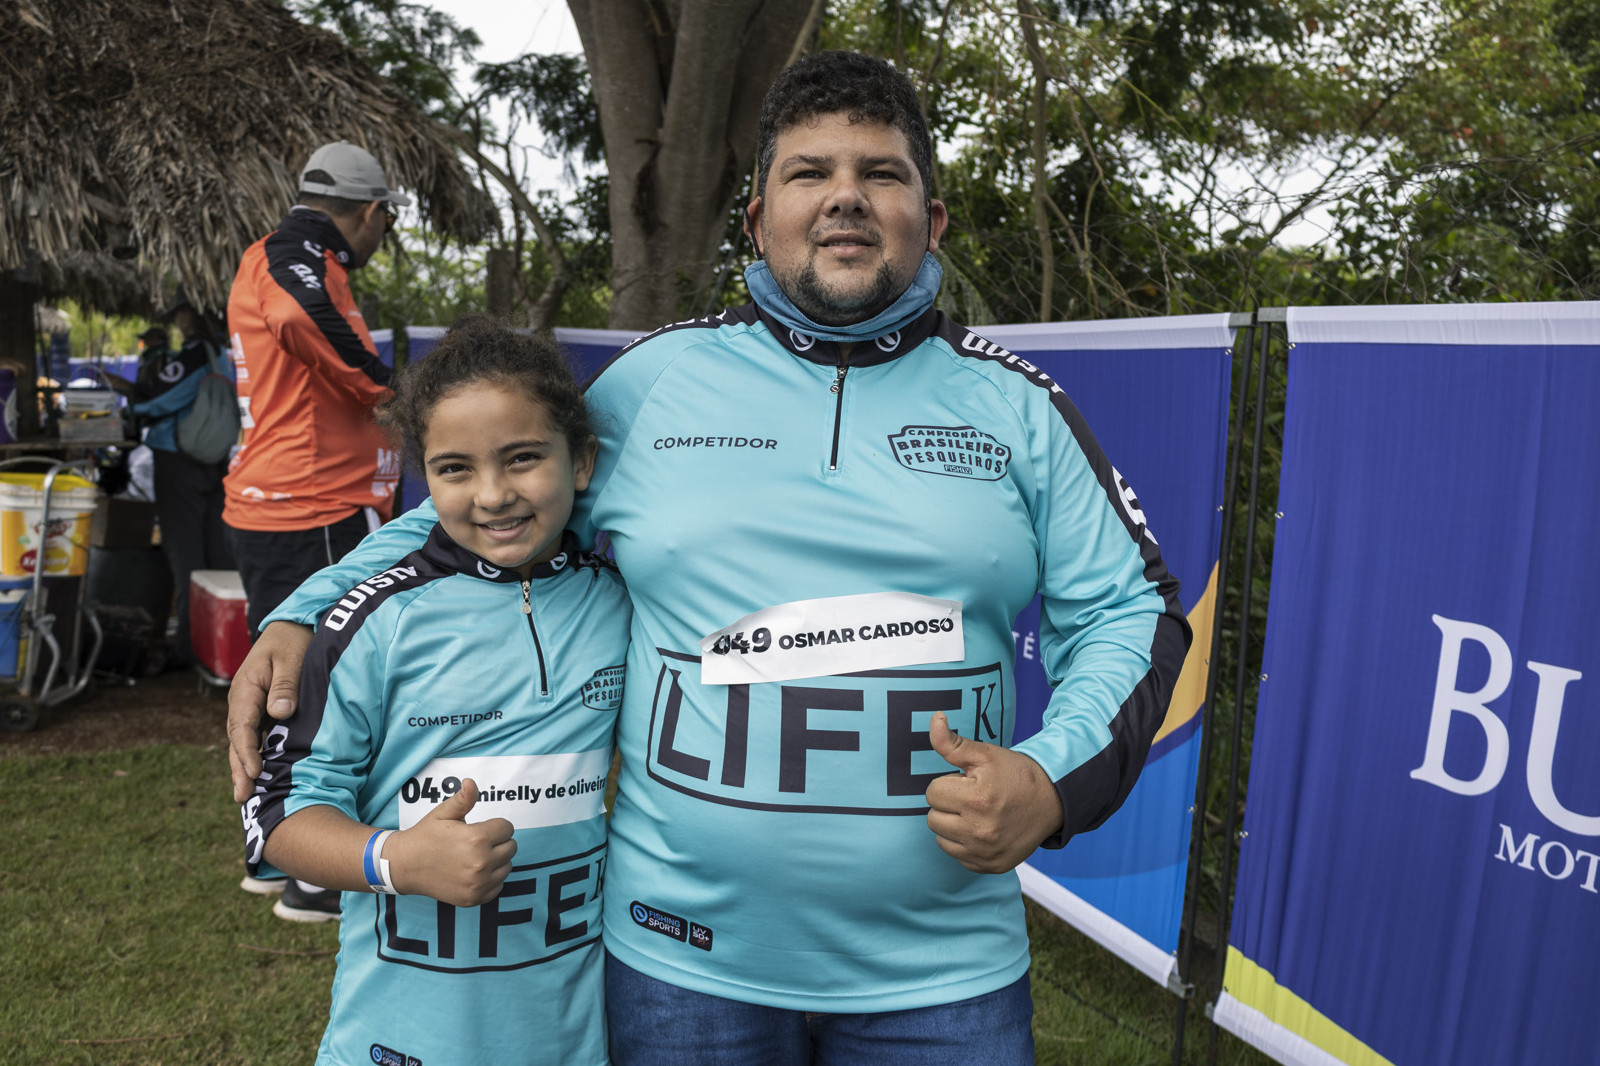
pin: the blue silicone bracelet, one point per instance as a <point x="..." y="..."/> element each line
<point x="369" y="863"/>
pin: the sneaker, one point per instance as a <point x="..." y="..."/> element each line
<point x="263" y="886"/>
<point x="301" y="902"/>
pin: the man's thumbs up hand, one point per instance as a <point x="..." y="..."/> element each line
<point x="445" y="856"/>
<point x="992" y="814"/>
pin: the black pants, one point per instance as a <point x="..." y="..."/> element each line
<point x="273" y="564"/>
<point x="189" y="508"/>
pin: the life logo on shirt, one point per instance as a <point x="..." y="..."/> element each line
<point x="171" y="373"/>
<point x="954" y="451"/>
<point x="547" y="909"/>
<point x="852" y="744"/>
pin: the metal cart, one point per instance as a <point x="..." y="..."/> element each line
<point x="65" y="673"/>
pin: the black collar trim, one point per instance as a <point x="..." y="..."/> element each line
<point x="445" y="553"/>
<point x="317" y="231"/>
<point x="866" y="352"/>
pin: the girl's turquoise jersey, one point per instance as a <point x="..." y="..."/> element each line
<point x="769" y="842"/>
<point x="428" y="671"/>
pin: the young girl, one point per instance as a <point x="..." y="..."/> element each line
<point x="447" y="764"/>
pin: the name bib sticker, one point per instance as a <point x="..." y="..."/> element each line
<point x="837" y="635"/>
<point x="529" y="791"/>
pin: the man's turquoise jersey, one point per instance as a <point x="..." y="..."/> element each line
<point x="431" y="670"/>
<point x="822" y="553"/>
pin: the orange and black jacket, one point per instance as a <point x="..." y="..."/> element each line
<point x="308" y="379"/>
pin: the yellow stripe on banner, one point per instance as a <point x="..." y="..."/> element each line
<point x="1190" y="691"/>
<point x="1255" y="987"/>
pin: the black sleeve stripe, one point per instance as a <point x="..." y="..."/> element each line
<point x="1093" y="791"/>
<point x="303" y="276"/>
<point x="745" y="314"/>
<point x="334" y="634"/>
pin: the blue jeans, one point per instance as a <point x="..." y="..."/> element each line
<point x="653" y="1023"/>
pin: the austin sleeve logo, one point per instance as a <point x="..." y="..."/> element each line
<point x="955" y="451"/>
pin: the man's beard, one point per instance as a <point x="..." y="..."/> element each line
<point x="829" y="308"/>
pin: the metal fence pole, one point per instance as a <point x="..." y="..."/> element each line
<point x="1248" y="576"/>
<point x="1247" y="322"/>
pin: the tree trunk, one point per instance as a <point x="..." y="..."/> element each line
<point x="679" y="85"/>
<point x="500" y="278"/>
<point x="1041" y="173"/>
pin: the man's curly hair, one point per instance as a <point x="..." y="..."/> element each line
<point x="861" y="86"/>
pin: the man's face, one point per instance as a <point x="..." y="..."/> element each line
<point x="844" y="219"/>
<point x="371" y="223"/>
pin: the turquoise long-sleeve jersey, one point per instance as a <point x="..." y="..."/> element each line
<point x="813" y="532"/>
<point x="431" y="670"/>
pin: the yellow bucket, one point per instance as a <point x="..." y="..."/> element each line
<point x="22" y="532"/>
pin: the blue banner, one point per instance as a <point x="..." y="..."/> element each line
<point x="1418" y="882"/>
<point x="1155" y="393"/>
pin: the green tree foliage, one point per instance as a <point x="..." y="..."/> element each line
<point x="97" y="336"/>
<point x="419" y="282"/>
<point x="561" y="250"/>
<point x="1106" y="159"/>
<point x="552" y="90"/>
<point x="1490" y="191"/>
<point x="411" y="44"/>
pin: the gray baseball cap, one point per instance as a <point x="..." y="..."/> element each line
<point x="356" y="175"/>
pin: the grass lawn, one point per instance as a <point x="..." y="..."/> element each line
<point x="125" y="938"/>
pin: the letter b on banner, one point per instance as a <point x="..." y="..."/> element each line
<point x="1448" y="700"/>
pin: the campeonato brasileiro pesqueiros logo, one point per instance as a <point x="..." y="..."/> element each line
<point x="955" y="451"/>
<point x="603" y="691"/>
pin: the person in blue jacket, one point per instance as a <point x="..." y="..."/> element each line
<point x="829" y="506"/>
<point x="447" y="765"/>
<point x="188" y="491"/>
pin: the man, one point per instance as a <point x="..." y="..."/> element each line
<point x="313" y="473"/>
<point x="188" y="491"/>
<point x="829" y="506"/>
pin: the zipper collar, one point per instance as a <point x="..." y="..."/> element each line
<point x="444" y="551"/>
<point x="867" y="351"/>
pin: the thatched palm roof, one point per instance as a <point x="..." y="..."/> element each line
<point x="144" y="142"/>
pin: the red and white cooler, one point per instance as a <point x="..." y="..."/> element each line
<point x="218" y="630"/>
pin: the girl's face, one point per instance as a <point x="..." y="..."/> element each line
<point x="501" y="474"/>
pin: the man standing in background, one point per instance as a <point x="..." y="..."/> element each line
<point x="313" y="473"/>
<point x="188" y="491"/>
